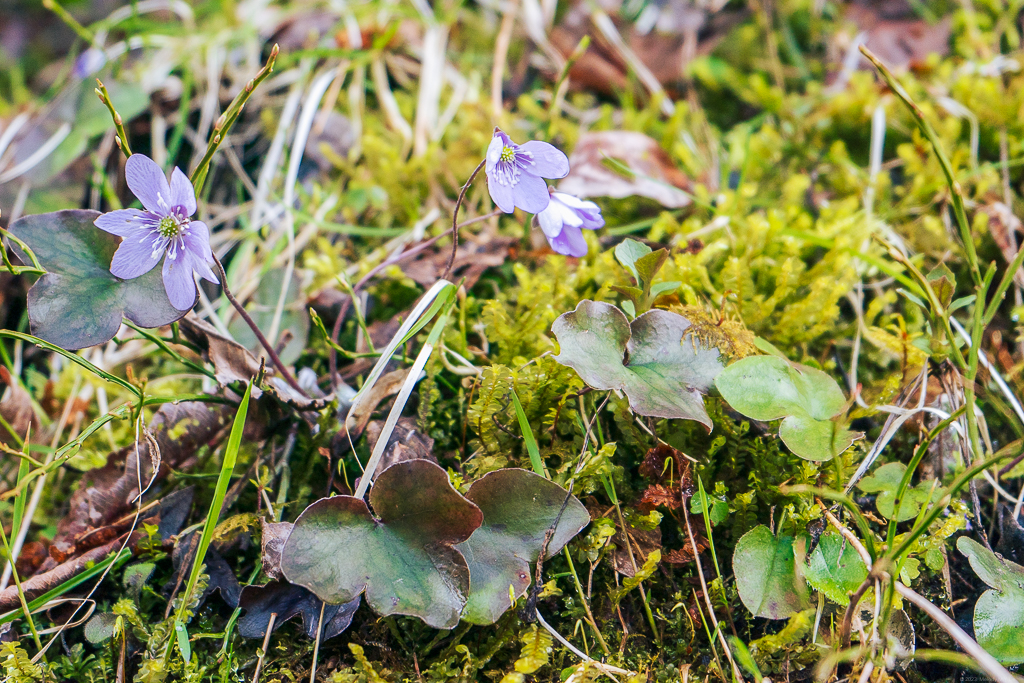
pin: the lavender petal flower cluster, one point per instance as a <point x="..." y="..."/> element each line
<point x="515" y="179"/>
<point x="163" y="228"/>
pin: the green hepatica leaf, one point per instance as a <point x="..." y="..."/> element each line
<point x="885" y="481"/>
<point x="78" y="302"/>
<point x="835" y="569"/>
<point x="662" y="369"/>
<point x="806" y="399"/>
<point x="403" y="558"/>
<point x="999" y="613"/>
<point x="519" y="507"/>
<point x="765" y="569"/>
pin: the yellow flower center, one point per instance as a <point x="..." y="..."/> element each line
<point x="169" y="227"/>
<point x="508" y="154"/>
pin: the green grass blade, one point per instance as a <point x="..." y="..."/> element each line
<point x="226" y="468"/>
<point x="531" y="442"/>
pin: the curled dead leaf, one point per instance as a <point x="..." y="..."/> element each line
<point x="622" y="163"/>
<point x="231" y="361"/>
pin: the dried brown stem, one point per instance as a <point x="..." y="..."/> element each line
<point x="455" y="219"/>
<point x="274" y="358"/>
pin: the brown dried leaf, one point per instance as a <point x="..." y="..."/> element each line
<point x="476" y="254"/>
<point x="666" y="38"/>
<point x="231" y="361"/>
<point x="896" y="35"/>
<point x="272" y="542"/>
<point x="657" y="495"/>
<point x="654" y="175"/>
<point x="16" y="408"/>
<point x="106" y="494"/>
<point x="406" y="443"/>
<point x="684" y="555"/>
<point x="664" y="463"/>
<point x="642" y="542"/>
<point x="366" y="403"/>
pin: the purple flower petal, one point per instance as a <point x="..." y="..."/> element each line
<point x="548" y="160"/>
<point x="147" y="182"/>
<point x="501" y="194"/>
<point x="135" y="256"/>
<point x="555" y="217"/>
<point x="494" y="154"/>
<point x="179" y="283"/>
<point x="182" y="193"/>
<point x="589" y="212"/>
<point x="197" y="244"/>
<point x="569" y="242"/>
<point x="530" y="194"/>
<point x="125" y="222"/>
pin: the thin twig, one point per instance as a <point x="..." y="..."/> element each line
<point x="455" y="219"/>
<point x="737" y="674"/>
<point x="224" y="123"/>
<point x="274" y="358"/>
<point x="991" y="667"/>
<point x="266" y="643"/>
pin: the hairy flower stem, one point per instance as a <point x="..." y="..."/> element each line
<point x="227" y="119"/>
<point x="122" y="136"/>
<point x="274" y="358"/>
<point x="455" y="219"/>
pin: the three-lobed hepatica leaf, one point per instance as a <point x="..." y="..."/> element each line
<point x="999" y="613"/>
<point x="519" y="507"/>
<point x="770" y="388"/>
<point x="835" y="569"/>
<point x="765" y="569"/>
<point x="661" y="369"/>
<point x="78" y="302"/>
<point x="402" y="556"/>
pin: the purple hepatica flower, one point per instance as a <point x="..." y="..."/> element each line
<point x="515" y="173"/>
<point x="164" y="227"/>
<point x="563" y="220"/>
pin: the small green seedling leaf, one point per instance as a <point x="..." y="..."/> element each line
<point x="402" y="556"/>
<point x="518" y="507"/>
<point x="647" y="267"/>
<point x="885" y="481"/>
<point x="653" y="360"/>
<point x="628" y="252"/>
<point x="78" y="302"/>
<point x="943" y="283"/>
<point x="765" y="569"/>
<point x="998" y="613"/>
<point x="662" y="287"/>
<point x="806" y="399"/>
<point x="835" y="569"/>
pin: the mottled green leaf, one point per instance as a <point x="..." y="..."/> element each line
<point x="661" y="368"/>
<point x="518" y="507"/>
<point x="806" y="399"/>
<point x="78" y="302"/>
<point x="766" y="579"/>
<point x="998" y="613"/>
<point x="401" y="556"/>
<point x="835" y="569"/>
